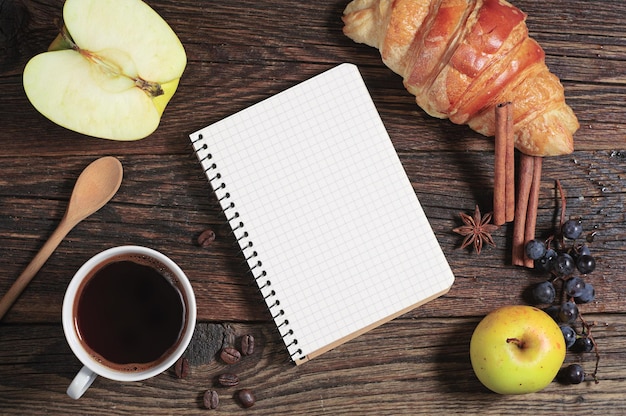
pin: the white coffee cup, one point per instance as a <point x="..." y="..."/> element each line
<point x="85" y="282"/>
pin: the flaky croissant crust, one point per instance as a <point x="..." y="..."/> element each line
<point x="460" y="58"/>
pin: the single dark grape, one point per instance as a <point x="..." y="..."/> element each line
<point x="535" y="249"/>
<point x="572" y="229"/>
<point x="572" y="374"/>
<point x="546" y="263"/>
<point x="586" y="264"/>
<point x="569" y="334"/>
<point x="583" y="344"/>
<point x="588" y="294"/>
<point x="564" y="265"/>
<point x="543" y="292"/>
<point x="568" y="312"/>
<point x="574" y="286"/>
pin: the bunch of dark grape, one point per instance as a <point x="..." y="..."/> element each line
<point x="568" y="262"/>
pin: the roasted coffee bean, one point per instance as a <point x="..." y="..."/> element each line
<point x="247" y="345"/>
<point x="206" y="238"/>
<point x="246" y="397"/>
<point x="211" y="399"/>
<point x="181" y="367"/>
<point x="230" y="355"/>
<point x="228" y="380"/>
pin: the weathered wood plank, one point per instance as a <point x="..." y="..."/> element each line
<point x="408" y="366"/>
<point x="153" y="209"/>
<point x="230" y="68"/>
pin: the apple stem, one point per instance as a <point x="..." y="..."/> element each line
<point x="153" y="89"/>
<point x="516" y="341"/>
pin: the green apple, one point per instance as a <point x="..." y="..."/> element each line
<point x="111" y="71"/>
<point x="517" y="349"/>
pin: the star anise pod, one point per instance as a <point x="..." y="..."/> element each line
<point x="476" y="229"/>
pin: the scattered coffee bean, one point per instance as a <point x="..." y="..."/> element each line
<point x="228" y="380"/>
<point x="211" y="399"/>
<point x="181" y="367"/>
<point x="230" y="355"/>
<point x="246" y="398"/>
<point x="247" y="345"/>
<point x="206" y="238"/>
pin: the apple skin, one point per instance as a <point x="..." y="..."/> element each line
<point x="517" y="349"/>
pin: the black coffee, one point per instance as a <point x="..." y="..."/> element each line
<point x="129" y="314"/>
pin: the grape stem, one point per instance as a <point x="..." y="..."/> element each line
<point x="561" y="239"/>
<point x="562" y="194"/>
<point x="586" y="326"/>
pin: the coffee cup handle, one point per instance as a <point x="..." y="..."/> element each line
<point x="83" y="379"/>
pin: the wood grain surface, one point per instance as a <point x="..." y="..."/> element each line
<point x="242" y="52"/>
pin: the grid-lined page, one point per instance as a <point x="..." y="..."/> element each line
<point x="326" y="217"/>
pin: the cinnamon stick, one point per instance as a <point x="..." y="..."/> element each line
<point x="504" y="165"/>
<point x="499" y="166"/>
<point x="510" y="165"/>
<point x="533" y="203"/>
<point x="526" y="169"/>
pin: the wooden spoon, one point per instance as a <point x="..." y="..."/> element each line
<point x="95" y="186"/>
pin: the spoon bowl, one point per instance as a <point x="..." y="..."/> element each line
<point x="95" y="186"/>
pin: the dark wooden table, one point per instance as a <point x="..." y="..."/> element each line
<point x="239" y="53"/>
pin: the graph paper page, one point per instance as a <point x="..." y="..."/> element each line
<point x="323" y="210"/>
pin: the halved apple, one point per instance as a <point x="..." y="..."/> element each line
<point x="111" y="71"/>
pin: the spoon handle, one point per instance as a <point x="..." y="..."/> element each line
<point x="31" y="270"/>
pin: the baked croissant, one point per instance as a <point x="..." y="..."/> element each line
<point x="460" y="58"/>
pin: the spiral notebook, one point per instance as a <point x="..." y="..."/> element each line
<point x="323" y="211"/>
